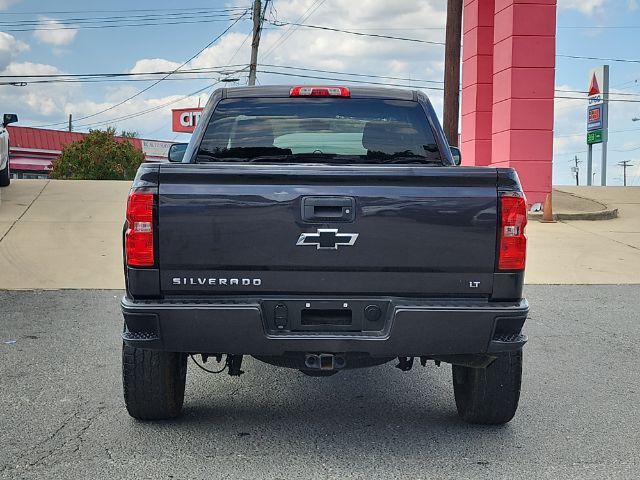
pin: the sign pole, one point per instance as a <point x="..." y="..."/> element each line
<point x="605" y="123"/>
<point x="589" y="164"/>
<point x="598" y="119"/>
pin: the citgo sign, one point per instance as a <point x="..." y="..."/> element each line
<point x="185" y="119"/>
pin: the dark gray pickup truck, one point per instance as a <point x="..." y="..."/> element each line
<point x="323" y="229"/>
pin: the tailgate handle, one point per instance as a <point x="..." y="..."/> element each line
<point x="328" y="209"/>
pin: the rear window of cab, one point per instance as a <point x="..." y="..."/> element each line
<point x="331" y="130"/>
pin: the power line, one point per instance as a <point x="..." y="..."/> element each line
<point x="57" y="12"/>
<point x="585" y="93"/>
<point x="222" y="69"/>
<point x="157" y="81"/>
<point x="126" y="74"/>
<point x="345" y="80"/>
<point x="207" y="19"/>
<point x="120" y="18"/>
<point x="567" y="135"/>
<point x="618" y="100"/>
<point x="149" y="110"/>
<point x="352" y="32"/>
<point x="351" y="74"/>
<point x="291" y="29"/>
<point x="123" y="25"/>
<point x="602" y="59"/>
<point x="590" y="27"/>
<point x="105" y="80"/>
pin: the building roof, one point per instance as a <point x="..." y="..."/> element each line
<point x="35" y="148"/>
<point x="40" y="138"/>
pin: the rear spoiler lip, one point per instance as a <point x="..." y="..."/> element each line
<point x="387" y="174"/>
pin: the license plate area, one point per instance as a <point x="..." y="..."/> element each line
<point x="325" y="316"/>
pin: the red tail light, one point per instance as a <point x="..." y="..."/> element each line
<point x="513" y="241"/>
<point x="319" y="92"/>
<point x="138" y="238"/>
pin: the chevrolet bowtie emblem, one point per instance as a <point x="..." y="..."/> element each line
<point x="327" y="239"/>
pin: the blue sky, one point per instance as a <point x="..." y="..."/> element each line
<point x="164" y="47"/>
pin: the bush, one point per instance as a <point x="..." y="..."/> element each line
<point x="98" y="156"/>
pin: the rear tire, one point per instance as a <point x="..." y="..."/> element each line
<point x="489" y="395"/>
<point x="5" y="180"/>
<point x="153" y="382"/>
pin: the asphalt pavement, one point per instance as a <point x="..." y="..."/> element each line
<point x="62" y="414"/>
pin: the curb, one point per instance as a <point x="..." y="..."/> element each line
<point x="607" y="214"/>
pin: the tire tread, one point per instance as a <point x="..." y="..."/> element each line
<point x="153" y="382"/>
<point x="489" y="395"/>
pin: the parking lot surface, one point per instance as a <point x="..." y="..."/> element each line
<point x="62" y="414"/>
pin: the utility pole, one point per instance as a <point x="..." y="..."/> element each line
<point x="70" y="123"/>
<point x="257" y="26"/>
<point x="576" y="169"/>
<point x="624" y="166"/>
<point x="452" y="71"/>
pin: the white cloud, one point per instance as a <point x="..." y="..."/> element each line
<point x="306" y="48"/>
<point x="303" y="48"/>
<point x="588" y="7"/>
<point x="10" y="48"/>
<point x="154" y="65"/>
<point x="632" y="5"/>
<point x="35" y="100"/>
<point x="319" y="49"/>
<point x="54" y="33"/>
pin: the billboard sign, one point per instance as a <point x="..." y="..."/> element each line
<point x="597" y="119"/>
<point x="596" y="106"/>
<point x="184" y="120"/>
<point x="594" y="117"/>
<point x="155" y="149"/>
<point x="596" y="82"/>
<point x="594" y="137"/>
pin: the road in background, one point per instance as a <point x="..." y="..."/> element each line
<point x="62" y="414"/>
<point x="67" y="234"/>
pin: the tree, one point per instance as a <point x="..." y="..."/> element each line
<point x="129" y="134"/>
<point x="98" y="156"/>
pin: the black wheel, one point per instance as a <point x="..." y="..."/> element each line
<point x="4" y="176"/>
<point x="489" y="395"/>
<point x="153" y="382"/>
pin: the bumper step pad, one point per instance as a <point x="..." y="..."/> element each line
<point x="507" y="342"/>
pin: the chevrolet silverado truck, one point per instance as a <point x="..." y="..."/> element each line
<point x="323" y="229"/>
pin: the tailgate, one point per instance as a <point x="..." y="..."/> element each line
<point x="318" y="229"/>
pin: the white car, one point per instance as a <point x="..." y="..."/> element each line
<point x="4" y="148"/>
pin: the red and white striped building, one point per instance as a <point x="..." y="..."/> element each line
<point x="31" y="150"/>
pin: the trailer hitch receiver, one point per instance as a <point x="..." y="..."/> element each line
<point x="324" y="361"/>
